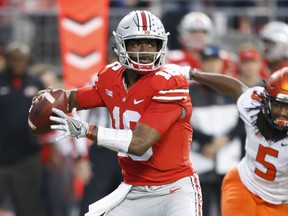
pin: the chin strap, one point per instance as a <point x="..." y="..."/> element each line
<point x="281" y="121"/>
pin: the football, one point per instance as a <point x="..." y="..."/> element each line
<point x="39" y="113"/>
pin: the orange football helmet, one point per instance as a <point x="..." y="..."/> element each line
<point x="276" y="94"/>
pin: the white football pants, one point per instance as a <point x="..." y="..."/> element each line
<point x="181" y="198"/>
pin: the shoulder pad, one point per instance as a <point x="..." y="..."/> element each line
<point x="106" y="71"/>
<point x="257" y="95"/>
<point x="169" y="84"/>
<point x="250" y="98"/>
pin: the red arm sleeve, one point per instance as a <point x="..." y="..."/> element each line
<point x="161" y="116"/>
<point x="88" y="97"/>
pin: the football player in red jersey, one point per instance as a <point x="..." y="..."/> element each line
<point x="150" y="108"/>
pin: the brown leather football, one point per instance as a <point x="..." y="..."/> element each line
<point x="41" y="110"/>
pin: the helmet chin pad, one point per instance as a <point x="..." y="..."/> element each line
<point x="281" y="121"/>
<point x="141" y="67"/>
<point x="278" y="121"/>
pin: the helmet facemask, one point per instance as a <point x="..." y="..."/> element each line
<point x="276" y="120"/>
<point x="136" y="60"/>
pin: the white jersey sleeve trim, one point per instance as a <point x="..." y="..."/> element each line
<point x="174" y="91"/>
<point x="169" y="98"/>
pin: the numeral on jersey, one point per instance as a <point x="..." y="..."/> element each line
<point x="168" y="73"/>
<point x="128" y="117"/>
<point x="115" y="66"/>
<point x="270" y="173"/>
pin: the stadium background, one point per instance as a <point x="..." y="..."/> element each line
<point x="35" y="22"/>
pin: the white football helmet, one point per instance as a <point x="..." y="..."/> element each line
<point x="274" y="40"/>
<point x="195" y="21"/>
<point x="140" y="24"/>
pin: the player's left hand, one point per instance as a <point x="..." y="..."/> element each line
<point x="40" y="94"/>
<point x="72" y="126"/>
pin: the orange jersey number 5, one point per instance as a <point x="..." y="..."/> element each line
<point x="270" y="174"/>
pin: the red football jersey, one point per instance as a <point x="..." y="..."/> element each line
<point x="158" y="99"/>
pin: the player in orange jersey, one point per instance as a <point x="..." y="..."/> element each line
<point x="150" y="108"/>
<point x="259" y="184"/>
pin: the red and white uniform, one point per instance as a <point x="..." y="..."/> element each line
<point x="264" y="169"/>
<point x="157" y="100"/>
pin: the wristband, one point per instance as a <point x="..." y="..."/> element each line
<point x="114" y="139"/>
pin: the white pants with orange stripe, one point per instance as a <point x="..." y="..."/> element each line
<point x="180" y="198"/>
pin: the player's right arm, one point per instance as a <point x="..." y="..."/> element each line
<point x="224" y="84"/>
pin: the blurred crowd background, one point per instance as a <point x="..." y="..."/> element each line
<point x="76" y="173"/>
<point x="235" y="21"/>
